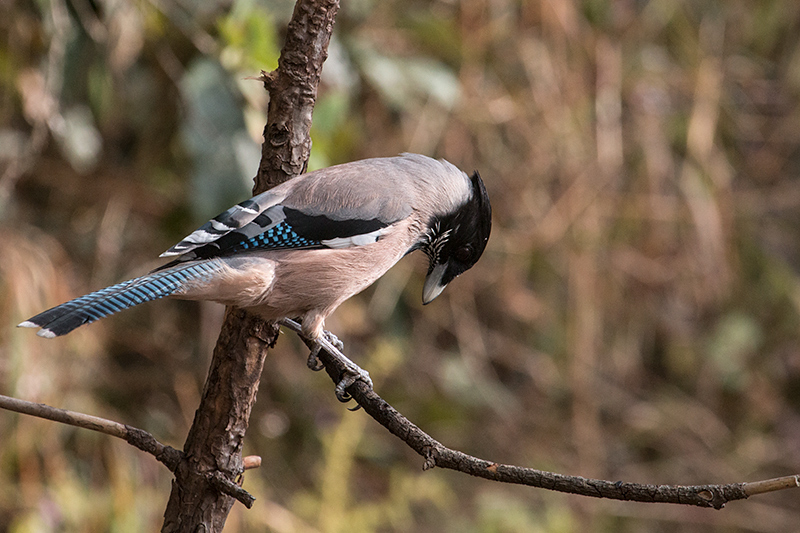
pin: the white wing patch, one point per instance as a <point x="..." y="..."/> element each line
<point x="198" y="237"/>
<point x="355" y="240"/>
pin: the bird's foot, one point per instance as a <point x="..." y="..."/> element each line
<point x="313" y="358"/>
<point x="331" y="344"/>
<point x="353" y="372"/>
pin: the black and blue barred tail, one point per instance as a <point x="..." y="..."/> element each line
<point x="63" y="318"/>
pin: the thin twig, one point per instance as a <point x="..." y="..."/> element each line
<point x="226" y="486"/>
<point x="436" y="454"/>
<point x="250" y="462"/>
<point x="772" y="485"/>
<point x="139" y="438"/>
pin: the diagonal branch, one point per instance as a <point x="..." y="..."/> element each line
<point x="436" y="454"/>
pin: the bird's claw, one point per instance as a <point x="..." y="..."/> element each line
<point x="334" y="340"/>
<point x="353" y="372"/>
<point x="350" y="376"/>
<point x="331" y="344"/>
<point x="313" y="359"/>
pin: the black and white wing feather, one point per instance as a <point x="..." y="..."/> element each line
<point x="313" y="211"/>
<point x="235" y="218"/>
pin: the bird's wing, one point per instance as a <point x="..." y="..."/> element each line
<point x="337" y="207"/>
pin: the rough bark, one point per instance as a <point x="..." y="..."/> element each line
<point x="213" y="448"/>
<point x="214" y="443"/>
<point x="293" y="92"/>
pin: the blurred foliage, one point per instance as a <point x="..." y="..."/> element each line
<point x="635" y="315"/>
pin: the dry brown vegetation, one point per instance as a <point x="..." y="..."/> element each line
<point x="635" y="315"/>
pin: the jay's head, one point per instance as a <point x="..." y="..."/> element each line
<point x="456" y="240"/>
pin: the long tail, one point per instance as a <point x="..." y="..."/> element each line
<point x="63" y="318"/>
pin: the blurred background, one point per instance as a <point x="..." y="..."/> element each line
<point x="635" y="315"/>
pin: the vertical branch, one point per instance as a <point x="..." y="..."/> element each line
<point x="293" y="92"/>
<point x="214" y="444"/>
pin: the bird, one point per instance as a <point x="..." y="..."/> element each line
<point x="300" y="249"/>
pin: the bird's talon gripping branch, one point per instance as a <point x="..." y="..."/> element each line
<point x="334" y="340"/>
<point x="341" y="394"/>
<point x="331" y="344"/>
<point x="313" y="359"/>
<point x="348" y="379"/>
<point x="353" y="372"/>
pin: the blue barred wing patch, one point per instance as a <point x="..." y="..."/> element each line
<point x="280" y="236"/>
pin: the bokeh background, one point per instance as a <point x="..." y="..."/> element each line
<point x="635" y="315"/>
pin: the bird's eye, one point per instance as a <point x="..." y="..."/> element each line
<point x="463" y="254"/>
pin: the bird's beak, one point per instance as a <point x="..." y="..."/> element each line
<point x="433" y="284"/>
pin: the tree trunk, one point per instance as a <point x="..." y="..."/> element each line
<point x="214" y="443"/>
